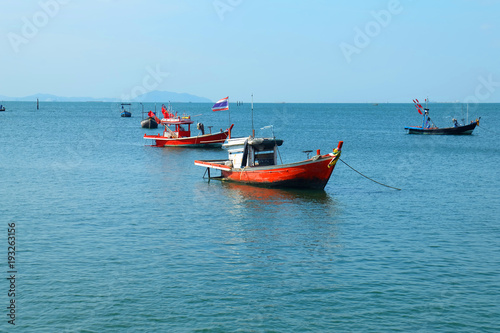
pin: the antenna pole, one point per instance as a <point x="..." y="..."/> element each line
<point x="253" y="130"/>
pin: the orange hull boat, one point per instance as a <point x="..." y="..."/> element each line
<point x="313" y="173"/>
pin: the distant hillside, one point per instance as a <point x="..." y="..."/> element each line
<point x="54" y="98"/>
<point x="153" y="96"/>
<point x="166" y="96"/>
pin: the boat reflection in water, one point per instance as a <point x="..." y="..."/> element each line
<point x="266" y="202"/>
<point x="273" y="196"/>
<point x="282" y="221"/>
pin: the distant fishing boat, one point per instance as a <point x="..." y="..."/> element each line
<point x="126" y="113"/>
<point x="150" y="121"/>
<point x="428" y="126"/>
<point x="177" y="132"/>
<point x="2" y="108"/>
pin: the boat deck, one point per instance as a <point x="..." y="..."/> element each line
<point x="214" y="164"/>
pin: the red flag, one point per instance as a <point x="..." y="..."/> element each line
<point x="418" y="106"/>
<point x="165" y="112"/>
<point x="419" y="111"/>
<point x="152" y="115"/>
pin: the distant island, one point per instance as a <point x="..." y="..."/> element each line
<point x="150" y="97"/>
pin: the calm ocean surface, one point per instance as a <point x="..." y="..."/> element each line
<point x="115" y="235"/>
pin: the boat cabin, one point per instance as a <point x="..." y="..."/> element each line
<point x="181" y="127"/>
<point x="252" y="152"/>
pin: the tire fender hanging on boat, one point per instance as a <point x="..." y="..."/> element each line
<point x="245" y="155"/>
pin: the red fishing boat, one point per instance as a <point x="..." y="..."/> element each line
<point x="177" y="132"/>
<point x="254" y="161"/>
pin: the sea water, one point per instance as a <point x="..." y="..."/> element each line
<point x="114" y="235"/>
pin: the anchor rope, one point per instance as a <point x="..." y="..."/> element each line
<point x="395" y="188"/>
<point x="487" y="129"/>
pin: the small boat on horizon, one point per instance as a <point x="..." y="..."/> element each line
<point x="177" y="132"/>
<point x="428" y="126"/>
<point x="126" y="113"/>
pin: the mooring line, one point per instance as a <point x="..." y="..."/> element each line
<point x="487" y="129"/>
<point x="395" y="188"/>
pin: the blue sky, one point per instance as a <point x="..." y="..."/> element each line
<point x="292" y="51"/>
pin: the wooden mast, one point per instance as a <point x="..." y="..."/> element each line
<point x="253" y="130"/>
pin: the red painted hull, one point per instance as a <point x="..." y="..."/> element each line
<point x="207" y="140"/>
<point x="311" y="174"/>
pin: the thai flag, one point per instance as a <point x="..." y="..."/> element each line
<point x="221" y="105"/>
